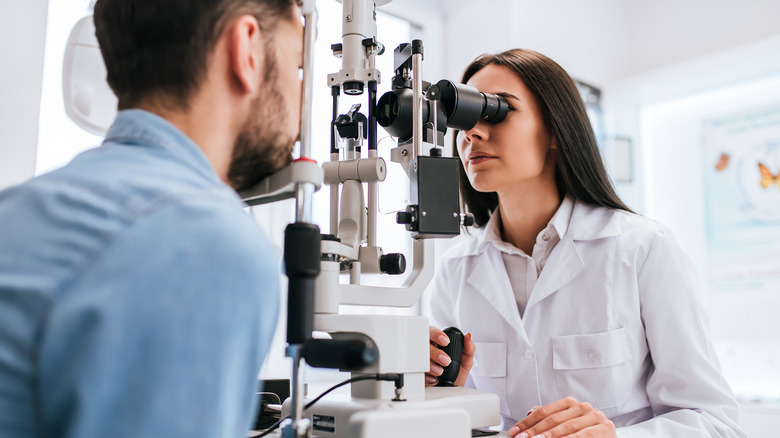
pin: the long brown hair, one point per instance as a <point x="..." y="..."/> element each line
<point x="579" y="169"/>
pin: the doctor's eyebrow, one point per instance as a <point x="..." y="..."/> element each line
<point x="508" y="95"/>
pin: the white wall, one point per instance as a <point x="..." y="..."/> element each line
<point x="604" y="41"/>
<point x="744" y="323"/>
<point x="665" y="32"/>
<point x="22" y="36"/>
<point x="581" y="36"/>
<point x="631" y="50"/>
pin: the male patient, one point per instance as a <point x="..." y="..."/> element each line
<point x="137" y="298"/>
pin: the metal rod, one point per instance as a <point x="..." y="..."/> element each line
<point x="372" y="116"/>
<point x="293" y="427"/>
<point x="373" y="206"/>
<point x="304" y="194"/>
<point x="334" y="149"/>
<point x="334" y="201"/>
<point x="334" y="156"/>
<point x="309" y="35"/>
<point x="417" y="110"/>
<point x="434" y="114"/>
<point x="305" y="191"/>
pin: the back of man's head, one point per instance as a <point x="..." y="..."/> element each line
<point x="158" y="50"/>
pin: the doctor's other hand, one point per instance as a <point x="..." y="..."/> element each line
<point x="439" y="359"/>
<point x="565" y="418"/>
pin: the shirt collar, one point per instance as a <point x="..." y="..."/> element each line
<point x="142" y="128"/>
<point x="558" y="224"/>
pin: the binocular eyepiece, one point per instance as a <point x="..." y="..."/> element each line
<point x="459" y="107"/>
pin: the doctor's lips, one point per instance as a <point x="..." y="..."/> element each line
<point x="479" y="157"/>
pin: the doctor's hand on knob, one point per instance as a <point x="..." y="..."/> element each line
<point x="567" y="417"/>
<point x="440" y="360"/>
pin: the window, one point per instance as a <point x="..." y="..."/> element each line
<point x="393" y="192"/>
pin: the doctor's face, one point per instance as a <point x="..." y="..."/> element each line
<point x="516" y="153"/>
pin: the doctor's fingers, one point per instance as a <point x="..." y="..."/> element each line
<point x="438" y="336"/>
<point x="439" y="357"/>
<point x="469" y="347"/>
<point x="580" y="427"/>
<point x="574" y="419"/>
<point x="592" y="425"/>
<point x="551" y="414"/>
<point x="466" y="360"/>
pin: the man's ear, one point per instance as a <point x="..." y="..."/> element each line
<point x="246" y="53"/>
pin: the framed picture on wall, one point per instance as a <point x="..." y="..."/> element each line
<point x="624" y="159"/>
<point x="591" y="97"/>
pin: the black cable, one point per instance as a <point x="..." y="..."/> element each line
<point x="389" y="377"/>
<point x="272" y="427"/>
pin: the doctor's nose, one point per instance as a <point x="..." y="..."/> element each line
<point x="478" y="133"/>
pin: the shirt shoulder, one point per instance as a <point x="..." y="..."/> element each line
<point x="192" y="234"/>
<point x="639" y="230"/>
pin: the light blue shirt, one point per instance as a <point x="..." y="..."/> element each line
<point x="137" y="298"/>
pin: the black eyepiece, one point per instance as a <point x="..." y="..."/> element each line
<point x="465" y="105"/>
<point x="460" y="107"/>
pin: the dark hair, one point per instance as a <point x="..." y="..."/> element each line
<point x="579" y="170"/>
<point x="160" y="48"/>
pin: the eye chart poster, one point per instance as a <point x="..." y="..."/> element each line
<point x="742" y="198"/>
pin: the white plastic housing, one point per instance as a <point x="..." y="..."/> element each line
<point x="89" y="101"/>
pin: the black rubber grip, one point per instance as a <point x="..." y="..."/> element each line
<point x="455" y="351"/>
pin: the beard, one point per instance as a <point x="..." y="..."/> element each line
<point x="263" y="146"/>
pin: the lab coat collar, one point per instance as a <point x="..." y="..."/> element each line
<point x="489" y="278"/>
<point x="588" y="222"/>
<point x="565" y="263"/>
<point x="591" y="222"/>
<point x="562" y="218"/>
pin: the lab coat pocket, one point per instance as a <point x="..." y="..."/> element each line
<point x="489" y="370"/>
<point x="592" y="367"/>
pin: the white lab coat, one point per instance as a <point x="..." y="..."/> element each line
<point x="615" y="319"/>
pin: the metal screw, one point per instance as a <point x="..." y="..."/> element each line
<point x="404" y="152"/>
<point x="424" y="214"/>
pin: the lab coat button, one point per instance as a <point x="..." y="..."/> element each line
<point x="528" y="354"/>
<point x="546" y="237"/>
<point x="592" y="354"/>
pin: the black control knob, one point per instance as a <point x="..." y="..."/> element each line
<point x="353" y="88"/>
<point x="467" y="219"/>
<point x="393" y="264"/>
<point x="455" y="351"/>
<point x="403" y="217"/>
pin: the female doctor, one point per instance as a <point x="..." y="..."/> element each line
<point x="584" y="317"/>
